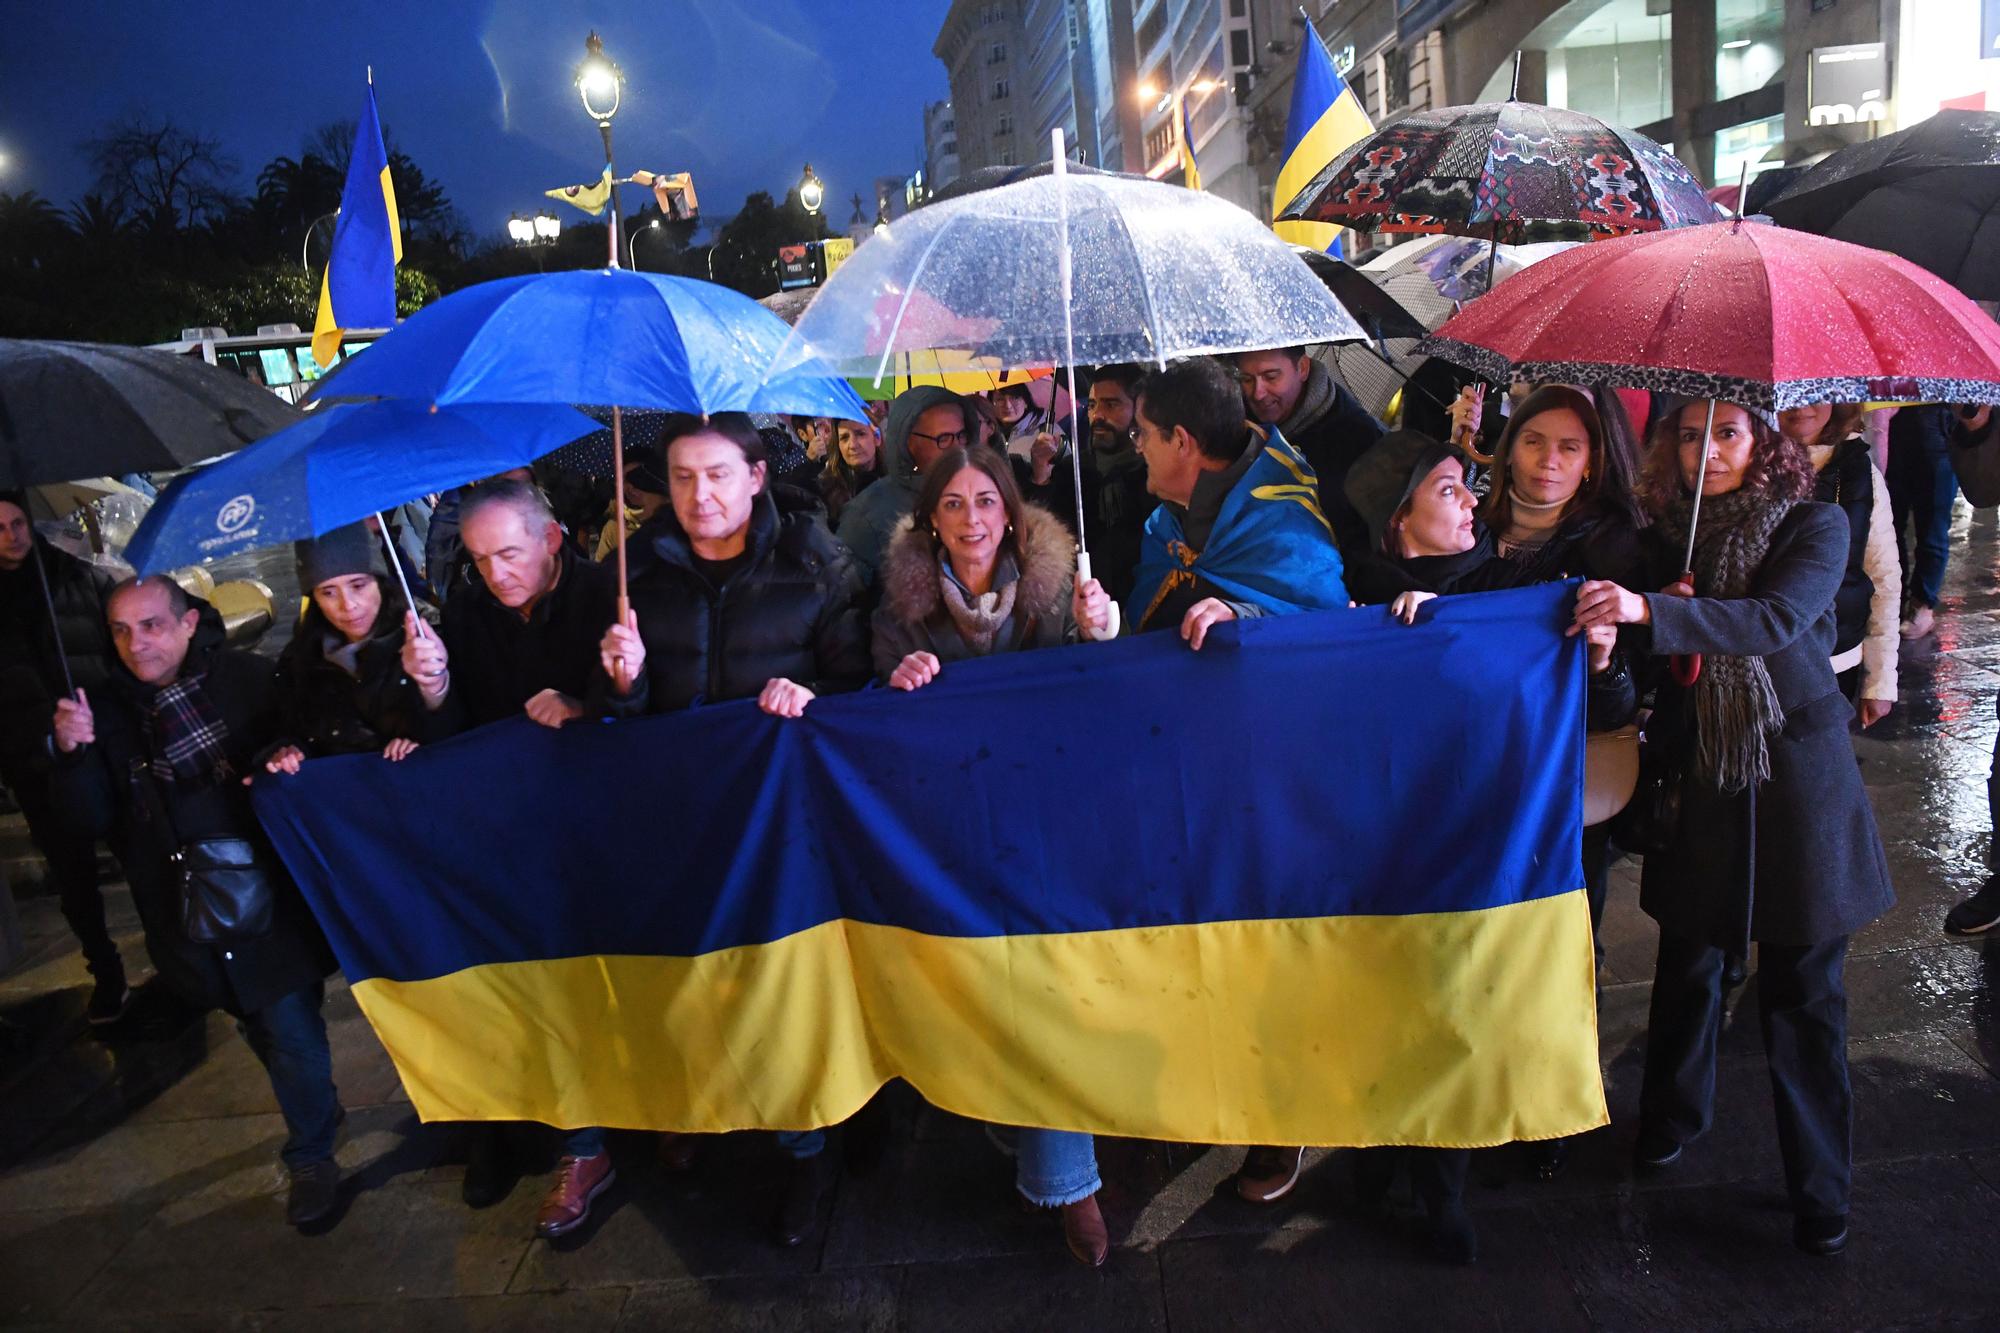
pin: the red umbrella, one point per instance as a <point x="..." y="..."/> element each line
<point x="1746" y="313"/>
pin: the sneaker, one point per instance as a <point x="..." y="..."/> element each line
<point x="1825" y="1236"/>
<point x="1268" y="1174"/>
<point x="798" y="1214"/>
<point x="314" y="1192"/>
<point x="579" y="1180"/>
<point x="1921" y="622"/>
<point x="1977" y="914"/>
<point x="108" y="996"/>
<point x="1083" y="1229"/>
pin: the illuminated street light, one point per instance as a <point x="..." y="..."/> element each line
<point x="547" y="227"/>
<point x="812" y="191"/>
<point x="1148" y="93"/>
<point x="521" y="229"/>
<point x="632" y="243"/>
<point x="601" y="84"/>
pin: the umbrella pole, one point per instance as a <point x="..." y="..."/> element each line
<point x="396" y="563"/>
<point x="1058" y="156"/>
<point x="1687" y="667"/>
<point x="55" y="625"/>
<point x="624" y="681"/>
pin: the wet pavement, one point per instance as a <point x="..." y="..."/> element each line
<point x="139" y="1185"/>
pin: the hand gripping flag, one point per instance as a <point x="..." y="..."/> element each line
<point x="590" y="198"/>
<point x="358" y="289"/>
<point x="1326" y="117"/>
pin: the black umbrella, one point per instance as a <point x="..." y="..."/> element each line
<point x="1930" y="193"/>
<point x="74" y="410"/>
<point x="1380" y="315"/>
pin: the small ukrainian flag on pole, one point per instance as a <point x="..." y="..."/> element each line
<point x="1326" y="118"/>
<point x="1190" y="169"/>
<point x="358" y="289"/>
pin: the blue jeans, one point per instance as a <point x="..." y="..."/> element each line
<point x="1053" y="1167"/>
<point x="799" y="1144"/>
<point x="289" y="1036"/>
<point x="1922" y="488"/>
<point x="584" y="1142"/>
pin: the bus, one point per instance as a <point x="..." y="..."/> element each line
<point x="277" y="356"/>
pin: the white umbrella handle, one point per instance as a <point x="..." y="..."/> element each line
<point x="1058" y="161"/>
<point x="1083" y="576"/>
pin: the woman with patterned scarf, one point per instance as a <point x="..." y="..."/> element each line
<point x="1775" y="840"/>
<point x="974" y="571"/>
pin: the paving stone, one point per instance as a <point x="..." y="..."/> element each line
<point x="1919" y="1094"/>
<point x="1373" y="1275"/>
<point x="862" y="1302"/>
<point x="539" y="1312"/>
<point x="47" y="1256"/>
<point x="1041" y="1290"/>
<point x="234" y="1156"/>
<point x="1720" y="1257"/>
<point x="388" y="1244"/>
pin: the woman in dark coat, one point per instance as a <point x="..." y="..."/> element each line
<point x="341" y="684"/>
<point x="852" y="465"/>
<point x="1776" y="841"/>
<point x="974" y="571"/>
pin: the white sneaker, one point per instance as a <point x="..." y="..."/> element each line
<point x="1921" y="622"/>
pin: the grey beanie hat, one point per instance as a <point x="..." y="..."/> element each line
<point x="1383" y="478"/>
<point x="349" y="550"/>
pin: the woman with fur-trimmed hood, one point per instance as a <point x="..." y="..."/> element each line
<point x="973" y="570"/>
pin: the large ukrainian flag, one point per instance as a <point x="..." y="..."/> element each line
<point x="1317" y="883"/>
<point x="1326" y="117"/>
<point x="358" y="289"/>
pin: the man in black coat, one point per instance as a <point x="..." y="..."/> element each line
<point x="1116" y="503"/>
<point x="32" y="649"/>
<point x="156" y="760"/>
<point x="1322" y="420"/>
<point x="734" y="598"/>
<point x="523" y="637"/>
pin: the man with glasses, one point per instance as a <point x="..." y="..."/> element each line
<point x="923" y="423"/>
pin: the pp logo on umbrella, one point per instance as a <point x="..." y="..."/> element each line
<point x="229" y="520"/>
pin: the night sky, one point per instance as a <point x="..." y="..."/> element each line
<point x="480" y="93"/>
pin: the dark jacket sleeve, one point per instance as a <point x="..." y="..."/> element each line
<point x="892" y="639"/>
<point x="1789" y="593"/>
<point x="1975" y="456"/>
<point x="1611" y="697"/>
<point x="840" y="636"/>
<point x="84" y="790"/>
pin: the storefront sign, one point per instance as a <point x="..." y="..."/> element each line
<point x="1845" y="84"/>
<point x="1343" y="59"/>
<point x="795" y="267"/>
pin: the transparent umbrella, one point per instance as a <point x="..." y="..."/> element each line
<point x="1061" y="269"/>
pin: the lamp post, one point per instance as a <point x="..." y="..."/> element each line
<point x="812" y="194"/>
<point x="536" y="233"/>
<point x="306" y="245"/>
<point x="601" y="83"/>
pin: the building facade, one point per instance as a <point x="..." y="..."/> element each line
<point x="940" y="146"/>
<point x="982" y="45"/>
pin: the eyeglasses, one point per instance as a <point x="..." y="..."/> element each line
<point x="951" y="439"/>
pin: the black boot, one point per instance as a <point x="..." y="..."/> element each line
<point x="489" y="1166"/>
<point x="108" y="993"/>
<point x="314" y="1193"/>
<point x="798" y="1215"/>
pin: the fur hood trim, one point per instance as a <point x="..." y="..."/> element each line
<point x="910" y="576"/>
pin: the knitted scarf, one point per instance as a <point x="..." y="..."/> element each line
<point x="187" y="734"/>
<point x="1315" y="401"/>
<point x="1735" y="708"/>
<point x="980" y="618"/>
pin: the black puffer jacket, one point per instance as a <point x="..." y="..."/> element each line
<point x="325" y="711"/>
<point x="97" y="786"/>
<point x="500" y="661"/>
<point x="791" y="609"/>
<point x="31" y="677"/>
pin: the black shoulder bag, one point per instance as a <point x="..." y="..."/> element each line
<point x="227" y="885"/>
<point x="1651" y="822"/>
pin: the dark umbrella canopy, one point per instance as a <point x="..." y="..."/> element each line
<point x="1506" y="171"/>
<point x="1380" y="315"/>
<point x="71" y="410"/>
<point x="1930" y="193"/>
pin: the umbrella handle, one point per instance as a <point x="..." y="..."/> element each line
<point x="1083" y="576"/>
<point x="1686" y="667"/>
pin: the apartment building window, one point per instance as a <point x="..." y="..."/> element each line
<point x="1237" y="8"/>
<point x="1239" y="47"/>
<point x="1394" y="74"/>
<point x="1154" y="28"/>
<point x="999" y="90"/>
<point x="1003" y="125"/>
<point x="998" y="55"/>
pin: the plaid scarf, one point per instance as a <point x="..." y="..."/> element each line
<point x="186" y="734"/>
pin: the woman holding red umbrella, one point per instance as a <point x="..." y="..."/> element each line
<point x="1775" y="840"/>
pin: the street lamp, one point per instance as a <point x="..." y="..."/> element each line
<point x="304" y="246"/>
<point x="812" y="191"/>
<point x="547" y="227"/>
<point x="521" y="229"/>
<point x="601" y="84"/>
<point x="632" y="243"/>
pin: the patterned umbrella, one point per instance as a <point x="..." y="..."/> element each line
<point x="1504" y="171"/>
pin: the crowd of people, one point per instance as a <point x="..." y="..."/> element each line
<point x="783" y="563"/>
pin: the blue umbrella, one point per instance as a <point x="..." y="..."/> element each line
<point x="605" y="337"/>
<point x="336" y="467"/>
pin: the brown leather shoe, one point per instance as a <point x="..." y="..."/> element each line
<point x="1268" y="1174"/>
<point x="579" y="1180"/>
<point x="1083" y="1228"/>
